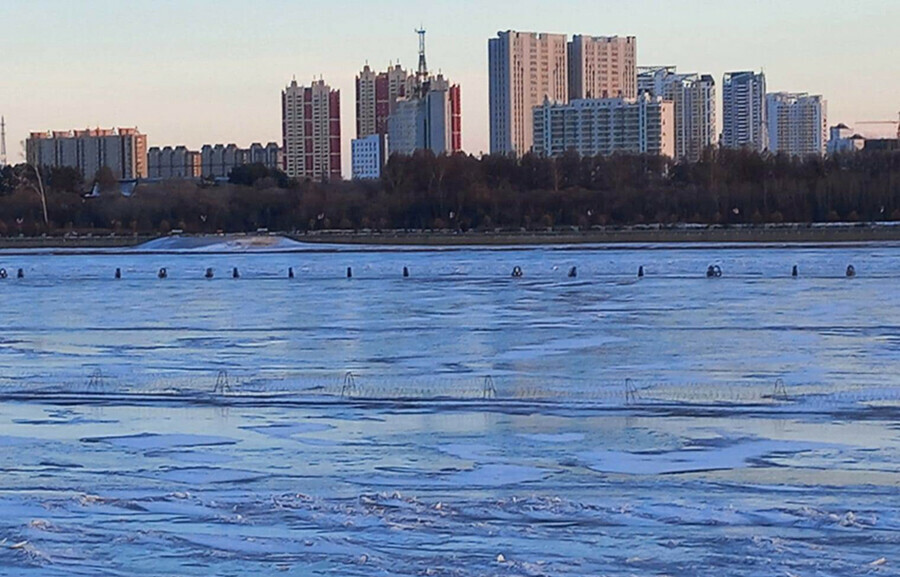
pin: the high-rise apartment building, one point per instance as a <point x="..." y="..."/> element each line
<point x="122" y="150"/>
<point x="602" y="67"/>
<point x="376" y="98"/>
<point x="525" y="68"/>
<point x="605" y="126"/>
<point x="311" y="128"/>
<point x="694" y="99"/>
<point x="797" y="123"/>
<point x="744" y="123"/>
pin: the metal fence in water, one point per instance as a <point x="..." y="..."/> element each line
<point x="219" y="386"/>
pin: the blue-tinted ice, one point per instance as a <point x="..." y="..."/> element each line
<point x="489" y="425"/>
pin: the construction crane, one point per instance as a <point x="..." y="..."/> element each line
<point x="885" y="122"/>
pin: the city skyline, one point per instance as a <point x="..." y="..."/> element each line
<point x="195" y="76"/>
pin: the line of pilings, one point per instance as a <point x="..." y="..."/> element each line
<point x="712" y="271"/>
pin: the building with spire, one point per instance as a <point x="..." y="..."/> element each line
<point x="430" y="117"/>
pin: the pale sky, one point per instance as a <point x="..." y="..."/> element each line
<point x="211" y="71"/>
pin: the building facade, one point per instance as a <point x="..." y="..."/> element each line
<point x="211" y="161"/>
<point x="218" y="160"/>
<point x="173" y="163"/>
<point x="797" y="123"/>
<point x="744" y="120"/>
<point x="429" y="120"/>
<point x="602" y="67"/>
<point x="311" y="128"/>
<point x="525" y="68"/>
<point x="605" y="126"/>
<point x="122" y="150"/>
<point x="694" y="99"/>
<point x="842" y="139"/>
<point x="368" y="156"/>
<point x="376" y="98"/>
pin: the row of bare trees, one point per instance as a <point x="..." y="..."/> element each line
<point x="464" y="192"/>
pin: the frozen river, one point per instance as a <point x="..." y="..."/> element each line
<point x="455" y="422"/>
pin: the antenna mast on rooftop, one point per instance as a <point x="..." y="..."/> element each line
<point x="423" y="66"/>
<point x="422" y="72"/>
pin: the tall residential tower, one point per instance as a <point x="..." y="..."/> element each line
<point x="311" y="128"/>
<point x="744" y="111"/>
<point x="798" y="123"/>
<point x="525" y="69"/>
<point x="694" y="98"/>
<point x="376" y="98"/>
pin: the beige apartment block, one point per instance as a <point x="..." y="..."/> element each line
<point x="602" y="67"/>
<point x="377" y="94"/>
<point x="525" y="69"/>
<point x="311" y="127"/>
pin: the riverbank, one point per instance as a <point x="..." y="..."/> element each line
<point x="812" y="234"/>
<point x="765" y="234"/>
<point x="73" y="242"/>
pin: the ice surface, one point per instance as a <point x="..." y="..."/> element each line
<point x="153" y="441"/>
<point x="194" y="427"/>
<point x="734" y="455"/>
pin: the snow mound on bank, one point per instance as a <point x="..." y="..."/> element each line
<point x="221" y="244"/>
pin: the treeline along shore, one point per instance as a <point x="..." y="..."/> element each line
<point x="729" y="195"/>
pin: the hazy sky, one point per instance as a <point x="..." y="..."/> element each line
<point x="207" y="71"/>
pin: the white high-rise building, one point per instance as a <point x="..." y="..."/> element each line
<point x="605" y="126"/>
<point x="368" y="156"/>
<point x="744" y="122"/>
<point x="694" y="97"/>
<point x="797" y="123"/>
<point x="525" y="68"/>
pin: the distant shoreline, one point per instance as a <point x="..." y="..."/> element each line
<point x="750" y="235"/>
<point x="851" y="233"/>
